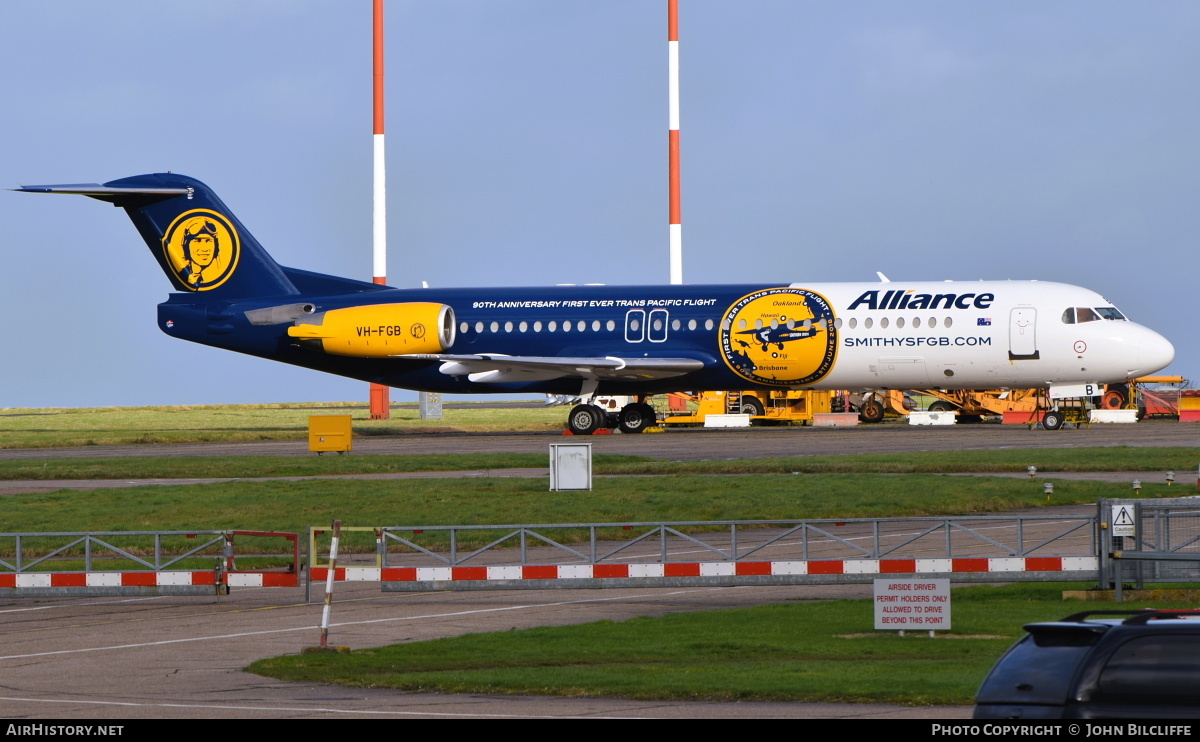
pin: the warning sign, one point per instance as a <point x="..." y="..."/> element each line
<point x="912" y="604"/>
<point x="1123" y="523"/>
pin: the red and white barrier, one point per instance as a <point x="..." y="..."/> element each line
<point x="640" y="572"/>
<point x="146" y="579"/>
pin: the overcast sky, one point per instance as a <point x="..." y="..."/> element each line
<point x="821" y="141"/>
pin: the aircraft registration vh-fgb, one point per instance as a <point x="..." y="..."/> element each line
<point x="629" y="340"/>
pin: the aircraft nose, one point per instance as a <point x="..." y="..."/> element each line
<point x="1153" y="353"/>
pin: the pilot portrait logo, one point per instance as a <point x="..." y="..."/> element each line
<point x="202" y="249"/>
<point x="780" y="337"/>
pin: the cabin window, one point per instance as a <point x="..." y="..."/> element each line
<point x="933" y="321"/>
<point x="567" y="326"/>
<point x="868" y="322"/>
<point x="676" y="324"/>
<point x="691" y="324"/>
<point x="611" y="325"/>
<point x="581" y="326"/>
<point x="595" y="325"/>
<point x="916" y="321"/>
<point x="883" y="322"/>
<point x="552" y="326"/>
<point x="708" y="324"/>
<point x="523" y="326"/>
<point x="478" y="327"/>
<point x="741" y="324"/>
<point x="508" y="326"/>
<point x="853" y="322"/>
<point x="495" y="327"/>
<point x="635" y="331"/>
<point x="899" y="322"/>
<point x="537" y="326"/>
<point x="758" y="324"/>
<point x="464" y="327"/>
<point x="948" y="322"/>
<point x="658" y="325"/>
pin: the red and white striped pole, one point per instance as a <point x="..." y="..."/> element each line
<point x="380" y="394"/>
<point x="676" y="226"/>
<point x="329" y="579"/>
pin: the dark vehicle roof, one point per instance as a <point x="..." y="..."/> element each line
<point x="1097" y="657"/>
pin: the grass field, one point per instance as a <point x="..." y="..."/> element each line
<point x="26" y="428"/>
<point x="293" y="506"/>
<point x="1047" y="461"/>
<point x="825" y="651"/>
<point x="802" y="651"/>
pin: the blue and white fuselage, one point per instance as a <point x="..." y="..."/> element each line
<point x="1017" y="338"/>
<point x="620" y="340"/>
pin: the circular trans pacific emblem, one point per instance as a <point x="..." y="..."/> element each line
<point x="780" y="337"/>
<point x="202" y="248"/>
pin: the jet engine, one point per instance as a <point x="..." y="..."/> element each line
<point x="378" y="330"/>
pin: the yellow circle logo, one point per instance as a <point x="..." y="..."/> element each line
<point x="780" y="337"/>
<point x="202" y="248"/>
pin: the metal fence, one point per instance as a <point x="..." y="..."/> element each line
<point x="851" y="538"/>
<point x="56" y="564"/>
<point x="979" y="548"/>
<point x="1162" y="541"/>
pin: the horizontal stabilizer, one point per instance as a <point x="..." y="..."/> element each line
<point x="112" y="194"/>
<point x="198" y="242"/>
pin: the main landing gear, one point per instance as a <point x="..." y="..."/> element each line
<point x="585" y="419"/>
<point x="635" y="417"/>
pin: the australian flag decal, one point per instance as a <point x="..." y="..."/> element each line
<point x="983" y="321"/>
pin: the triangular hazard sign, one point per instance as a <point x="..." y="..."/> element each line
<point x="1123" y="516"/>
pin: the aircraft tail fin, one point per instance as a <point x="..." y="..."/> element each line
<point x="199" y="243"/>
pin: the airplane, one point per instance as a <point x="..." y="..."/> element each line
<point x="584" y="341"/>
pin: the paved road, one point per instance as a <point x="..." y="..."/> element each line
<point x="142" y="658"/>
<point x="692" y="445"/>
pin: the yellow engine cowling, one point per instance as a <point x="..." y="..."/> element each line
<point x="378" y="330"/>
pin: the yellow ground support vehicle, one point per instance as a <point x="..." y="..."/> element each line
<point x="1161" y="401"/>
<point x="972" y="405"/>
<point x="764" y="407"/>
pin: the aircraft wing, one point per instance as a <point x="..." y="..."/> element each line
<point x="497" y="368"/>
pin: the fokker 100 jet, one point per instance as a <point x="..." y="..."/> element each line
<point x="628" y="340"/>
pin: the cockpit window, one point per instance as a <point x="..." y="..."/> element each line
<point x="1085" y="314"/>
